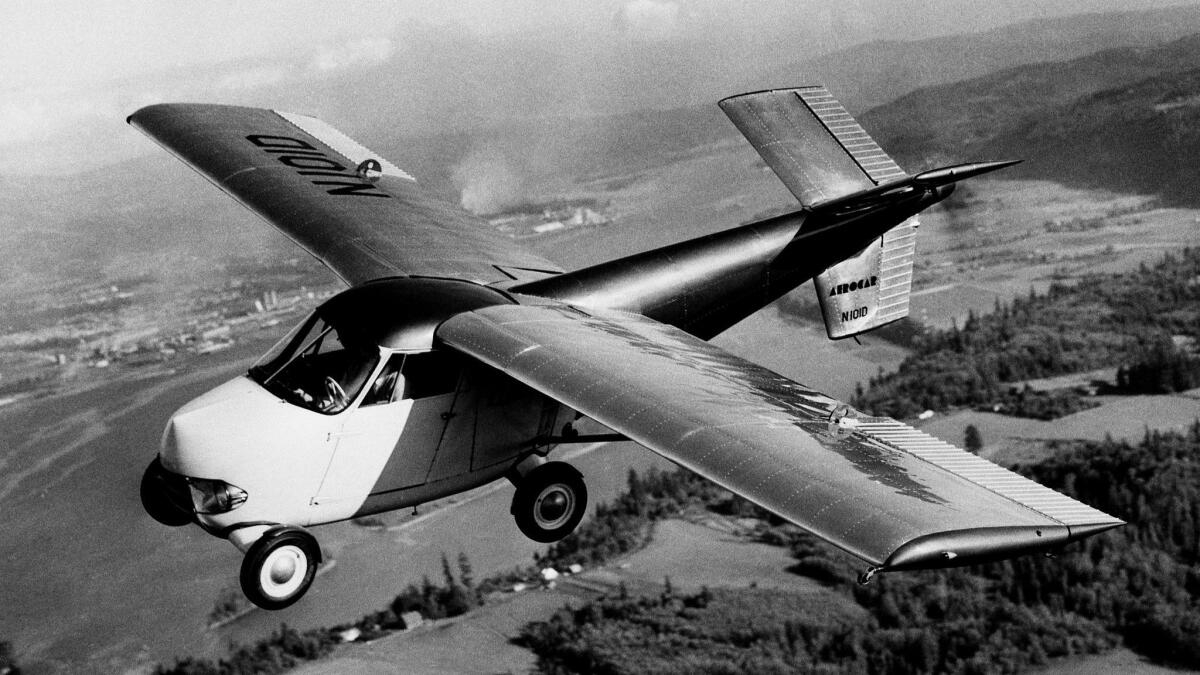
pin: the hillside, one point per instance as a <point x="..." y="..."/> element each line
<point x="150" y="214"/>
<point x="1122" y="119"/>
<point x="876" y="73"/>
<point x="1143" y="138"/>
<point x="1125" y="320"/>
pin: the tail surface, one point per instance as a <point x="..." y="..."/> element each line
<point x="822" y="155"/>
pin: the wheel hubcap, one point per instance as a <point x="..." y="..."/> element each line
<point x="553" y="507"/>
<point x="283" y="571"/>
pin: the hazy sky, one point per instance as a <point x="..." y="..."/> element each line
<point x="71" y="71"/>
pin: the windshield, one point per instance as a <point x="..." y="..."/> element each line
<point x="317" y="366"/>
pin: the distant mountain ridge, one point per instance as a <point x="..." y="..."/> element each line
<point x="1124" y="119"/>
<point x="1139" y="138"/>
<point x="152" y="215"/>
<point x="875" y="73"/>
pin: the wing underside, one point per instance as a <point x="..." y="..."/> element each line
<point x="362" y="216"/>
<point x="879" y="489"/>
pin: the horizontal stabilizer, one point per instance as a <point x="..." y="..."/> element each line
<point x="811" y="142"/>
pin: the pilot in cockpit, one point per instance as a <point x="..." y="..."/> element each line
<point x="321" y="369"/>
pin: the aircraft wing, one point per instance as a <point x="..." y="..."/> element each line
<point x="877" y="488"/>
<point x="362" y="216"/>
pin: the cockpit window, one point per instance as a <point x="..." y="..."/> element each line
<point x="430" y="374"/>
<point x="384" y="390"/>
<point x="320" y="367"/>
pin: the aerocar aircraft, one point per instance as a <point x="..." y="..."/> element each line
<point x="457" y="358"/>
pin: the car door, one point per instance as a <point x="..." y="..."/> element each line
<point x="389" y="442"/>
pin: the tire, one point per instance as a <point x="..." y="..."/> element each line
<point x="279" y="567"/>
<point x="550" y="501"/>
<point x="156" y="491"/>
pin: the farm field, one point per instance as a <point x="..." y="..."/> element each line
<point x="1007" y="439"/>
<point x="692" y="555"/>
<point x="1016" y="235"/>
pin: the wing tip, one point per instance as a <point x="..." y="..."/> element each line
<point x="955" y="548"/>
<point x="770" y="90"/>
<point x="1086" y="530"/>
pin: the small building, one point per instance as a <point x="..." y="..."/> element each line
<point x="410" y="620"/>
<point x="549" y="227"/>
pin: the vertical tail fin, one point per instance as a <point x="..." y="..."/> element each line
<point x="821" y="154"/>
<point x="871" y="288"/>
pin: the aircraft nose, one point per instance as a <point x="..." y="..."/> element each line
<point x="204" y="435"/>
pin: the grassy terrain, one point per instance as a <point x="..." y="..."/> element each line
<point x="1142" y="320"/>
<point x="692" y="555"/>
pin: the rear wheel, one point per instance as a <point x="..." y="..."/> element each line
<point x="550" y="501"/>
<point x="279" y="567"/>
<point x="156" y="490"/>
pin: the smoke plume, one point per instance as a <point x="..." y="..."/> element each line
<point x="489" y="182"/>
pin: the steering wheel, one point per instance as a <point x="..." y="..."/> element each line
<point x="335" y="393"/>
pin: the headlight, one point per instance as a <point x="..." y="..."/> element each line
<point x="215" y="496"/>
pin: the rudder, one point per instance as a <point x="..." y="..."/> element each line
<point x="872" y="288"/>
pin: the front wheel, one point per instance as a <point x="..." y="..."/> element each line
<point x="279" y="567"/>
<point x="550" y="501"/>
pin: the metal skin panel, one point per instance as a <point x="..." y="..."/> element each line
<point x="363" y="227"/>
<point x="369" y="442"/>
<point x="756" y="433"/>
<point x="457" y="442"/>
<point x="413" y="455"/>
<point x="848" y="292"/>
<point x="400" y="314"/>
<point x="706" y="285"/>
<point x="241" y="433"/>
<point x="797" y="143"/>
<point x="872" y="288"/>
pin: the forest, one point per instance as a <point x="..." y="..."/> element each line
<point x="1136" y="586"/>
<point x="1146" y="322"/>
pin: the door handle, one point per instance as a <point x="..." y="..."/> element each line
<point x="342" y="434"/>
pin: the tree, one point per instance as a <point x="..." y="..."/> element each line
<point x="8" y="660"/>
<point x="972" y="440"/>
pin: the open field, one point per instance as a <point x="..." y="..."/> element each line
<point x="1009" y="439"/>
<point x="1013" y="236"/>
<point x="1119" y="660"/>
<point x="690" y="554"/>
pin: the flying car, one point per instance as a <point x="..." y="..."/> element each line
<point x="456" y="358"/>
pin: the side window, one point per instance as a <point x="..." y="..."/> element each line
<point x="384" y="390"/>
<point x="429" y="374"/>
